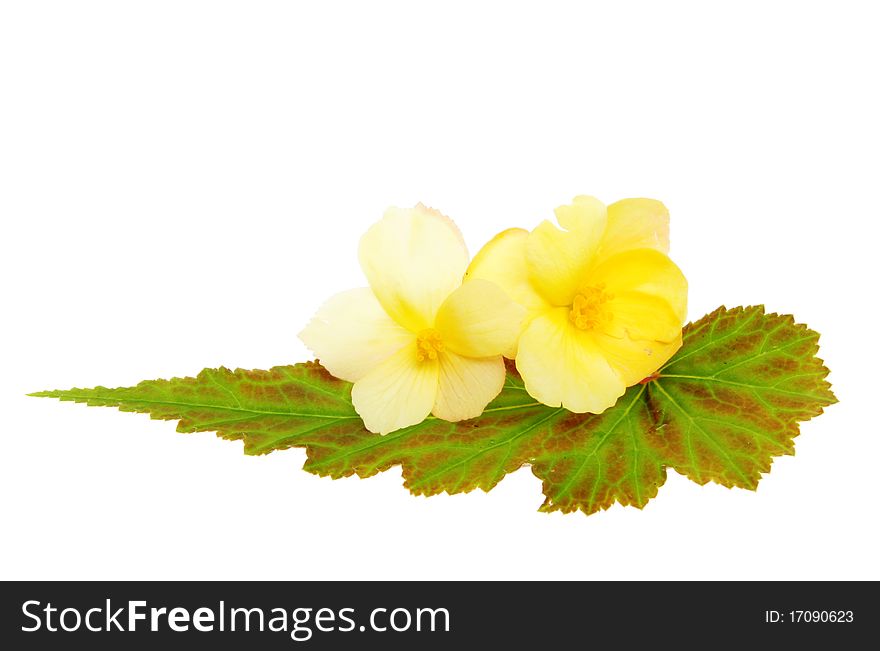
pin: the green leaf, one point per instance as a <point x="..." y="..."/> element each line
<point x="269" y="410"/>
<point x="719" y="410"/>
<point x="732" y="397"/>
<point x="602" y="459"/>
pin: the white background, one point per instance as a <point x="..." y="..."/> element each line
<point x="183" y="183"/>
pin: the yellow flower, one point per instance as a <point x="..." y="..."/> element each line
<point x="605" y="304"/>
<point x="416" y="341"/>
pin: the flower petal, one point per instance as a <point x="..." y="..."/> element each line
<point x="635" y="224"/>
<point x="400" y="392"/>
<point x="503" y="261"/>
<point x="558" y="259"/>
<point x="635" y="360"/>
<point x="351" y="334"/>
<point x="467" y="385"/>
<point x="643" y="270"/>
<point x="638" y="315"/>
<point x="479" y="320"/>
<point x="413" y="258"/>
<point x="563" y="366"/>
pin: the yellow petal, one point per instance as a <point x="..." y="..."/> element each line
<point x="562" y="365"/>
<point x="636" y="360"/>
<point x="413" y="259"/>
<point x="643" y="270"/>
<point x="635" y="224"/>
<point x="400" y="392"/>
<point x="558" y="259"/>
<point x="637" y="315"/>
<point x="467" y="385"/>
<point x="503" y="261"/>
<point x="351" y="334"/>
<point x="479" y="320"/>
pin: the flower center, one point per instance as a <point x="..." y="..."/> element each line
<point x="428" y="345"/>
<point x="589" y="311"/>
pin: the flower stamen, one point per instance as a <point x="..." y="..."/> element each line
<point x="589" y="311"/>
<point x="428" y="345"/>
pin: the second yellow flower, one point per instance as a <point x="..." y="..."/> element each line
<point x="605" y="303"/>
